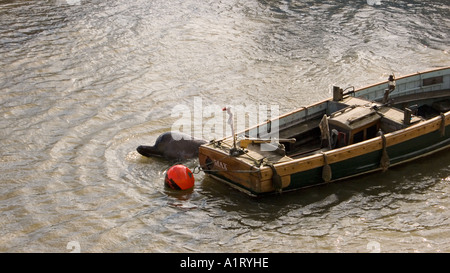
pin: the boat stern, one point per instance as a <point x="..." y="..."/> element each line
<point x="245" y="172"/>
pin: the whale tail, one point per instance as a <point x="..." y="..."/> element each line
<point x="148" y="151"/>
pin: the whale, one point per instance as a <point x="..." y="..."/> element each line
<point x="173" y="146"/>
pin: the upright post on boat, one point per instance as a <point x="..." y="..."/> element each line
<point x="391" y="83"/>
<point x="338" y="93"/>
<point x="231" y="123"/>
<point x="390" y="89"/>
<point x="407" y="116"/>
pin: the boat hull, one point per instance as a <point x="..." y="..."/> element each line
<point x="375" y="154"/>
<point x="343" y="163"/>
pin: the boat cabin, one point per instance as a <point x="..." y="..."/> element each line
<point x="360" y="120"/>
<point x="353" y="124"/>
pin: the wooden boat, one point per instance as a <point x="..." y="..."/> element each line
<point x="353" y="133"/>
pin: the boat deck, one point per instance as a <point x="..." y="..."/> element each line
<point x="255" y="155"/>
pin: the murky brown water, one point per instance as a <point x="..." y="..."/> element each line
<point x="83" y="83"/>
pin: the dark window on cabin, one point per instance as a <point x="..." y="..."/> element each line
<point x="358" y="137"/>
<point x="434" y="80"/>
<point x="371" y="131"/>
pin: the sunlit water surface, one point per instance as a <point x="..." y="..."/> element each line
<point x="83" y="83"/>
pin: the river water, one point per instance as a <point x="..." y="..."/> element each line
<point x="83" y="83"/>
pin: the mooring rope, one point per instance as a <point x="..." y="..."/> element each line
<point x="384" y="161"/>
<point x="326" y="170"/>
<point x="442" y="129"/>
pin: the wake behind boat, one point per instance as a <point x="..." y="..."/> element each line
<point x="353" y="133"/>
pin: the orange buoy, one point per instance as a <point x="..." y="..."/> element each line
<point x="179" y="177"/>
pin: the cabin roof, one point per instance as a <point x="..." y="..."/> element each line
<point x="354" y="117"/>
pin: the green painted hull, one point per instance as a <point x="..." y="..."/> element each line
<point x="370" y="162"/>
